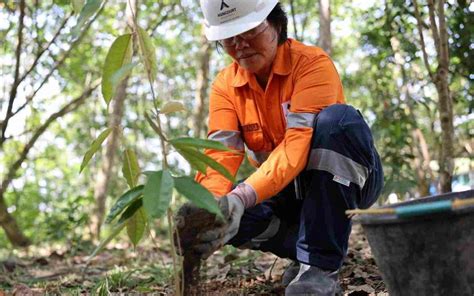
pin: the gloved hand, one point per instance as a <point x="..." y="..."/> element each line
<point x="190" y="221"/>
<point x="209" y="241"/>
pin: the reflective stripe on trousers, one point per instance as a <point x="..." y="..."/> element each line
<point x="343" y="172"/>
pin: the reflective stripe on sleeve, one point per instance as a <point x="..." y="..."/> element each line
<point x="338" y="165"/>
<point x="231" y="139"/>
<point x="258" y="157"/>
<point x="299" y="119"/>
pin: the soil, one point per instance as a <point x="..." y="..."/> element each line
<point x="123" y="270"/>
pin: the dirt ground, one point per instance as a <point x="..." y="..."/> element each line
<point x="146" y="271"/>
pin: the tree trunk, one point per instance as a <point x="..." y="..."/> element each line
<point x="422" y="162"/>
<point x="9" y="225"/>
<point x="325" y="25"/>
<point x="104" y="175"/>
<point x="440" y="78"/>
<point x="446" y="160"/>
<point x="202" y="85"/>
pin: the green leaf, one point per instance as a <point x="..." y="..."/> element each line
<point x="124" y="201"/>
<point x="134" y="206"/>
<point x="121" y="74"/>
<point x="115" y="231"/>
<point x="157" y="193"/>
<point x="199" y="156"/>
<point x="77" y="5"/>
<point x="120" y="54"/>
<point x="148" y="173"/>
<point x="195" y="162"/>
<point x="96" y="144"/>
<point x="199" y="143"/>
<point x="130" y="168"/>
<point x="197" y="194"/>
<point x="88" y="10"/>
<point x="136" y="226"/>
<point x="148" y="54"/>
<point x="171" y="107"/>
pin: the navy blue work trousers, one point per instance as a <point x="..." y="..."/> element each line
<point x="306" y="221"/>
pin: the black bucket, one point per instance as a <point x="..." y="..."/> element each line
<point x="431" y="254"/>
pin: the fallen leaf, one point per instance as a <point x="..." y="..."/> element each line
<point x="23" y="290"/>
<point x="276" y="270"/>
<point x="363" y="288"/>
<point x="223" y="272"/>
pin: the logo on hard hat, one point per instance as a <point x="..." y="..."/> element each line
<point x="224" y="5"/>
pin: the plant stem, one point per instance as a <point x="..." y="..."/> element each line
<point x="177" y="285"/>
<point x="163" y="142"/>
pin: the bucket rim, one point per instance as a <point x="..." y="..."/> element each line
<point x="365" y="219"/>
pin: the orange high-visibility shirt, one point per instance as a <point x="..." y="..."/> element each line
<point x="275" y="124"/>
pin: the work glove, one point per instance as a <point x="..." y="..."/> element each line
<point x="189" y="222"/>
<point x="211" y="240"/>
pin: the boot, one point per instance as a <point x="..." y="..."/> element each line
<point x="290" y="273"/>
<point x="312" y="280"/>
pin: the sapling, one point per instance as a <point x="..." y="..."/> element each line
<point x="142" y="203"/>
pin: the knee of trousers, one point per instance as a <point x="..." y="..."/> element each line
<point x="342" y="129"/>
<point x="342" y="144"/>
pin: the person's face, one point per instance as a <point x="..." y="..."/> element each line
<point x="255" y="49"/>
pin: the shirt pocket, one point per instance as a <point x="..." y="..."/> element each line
<point x="253" y="137"/>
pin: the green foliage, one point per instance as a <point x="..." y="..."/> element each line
<point x="200" y="161"/>
<point x="148" y="54"/>
<point x="77" y="5"/>
<point x="52" y="204"/>
<point x="180" y="143"/>
<point x="121" y="74"/>
<point x="124" y="201"/>
<point x="95" y="146"/>
<point x="136" y="226"/>
<point x="119" y="55"/>
<point x="157" y="193"/>
<point x="197" y="194"/>
<point x="130" y="168"/>
<point x="131" y="210"/>
<point x="117" y="280"/>
<point x="88" y="10"/>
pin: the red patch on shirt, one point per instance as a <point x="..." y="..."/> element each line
<point x="251" y="127"/>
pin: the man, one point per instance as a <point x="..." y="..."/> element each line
<point x="284" y="102"/>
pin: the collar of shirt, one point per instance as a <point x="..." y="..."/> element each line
<point x="281" y="65"/>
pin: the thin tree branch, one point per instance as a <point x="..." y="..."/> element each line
<point x="42" y="51"/>
<point x="163" y="19"/>
<point x="443" y="34"/>
<point x="34" y="14"/>
<point x="304" y="22"/>
<point x="293" y="18"/>
<point x="71" y="106"/>
<point x="419" y="23"/>
<point x="16" y="75"/>
<point x="58" y="63"/>
<point x="434" y="26"/>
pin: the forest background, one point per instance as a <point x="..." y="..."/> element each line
<point x="415" y="91"/>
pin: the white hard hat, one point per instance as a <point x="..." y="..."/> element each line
<point x="227" y="18"/>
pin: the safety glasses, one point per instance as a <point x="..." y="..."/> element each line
<point x="247" y="36"/>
